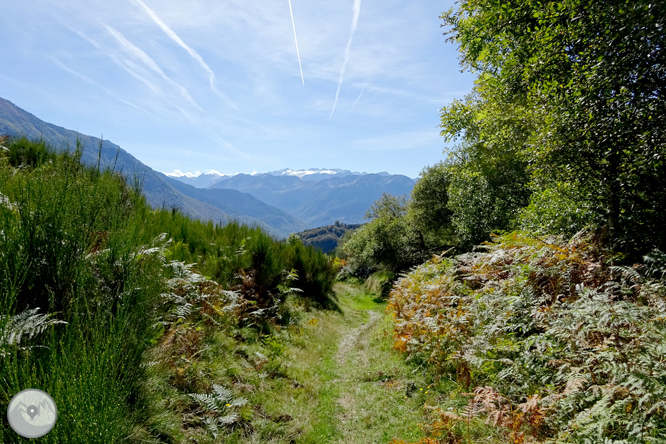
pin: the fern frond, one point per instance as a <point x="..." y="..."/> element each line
<point x="28" y="323"/>
<point x="222" y="393"/>
<point x="228" y="419"/>
<point x="209" y="401"/>
<point x="239" y="402"/>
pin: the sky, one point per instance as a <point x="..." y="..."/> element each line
<point x="239" y="85"/>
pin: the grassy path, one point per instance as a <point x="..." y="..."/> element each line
<point x="343" y="382"/>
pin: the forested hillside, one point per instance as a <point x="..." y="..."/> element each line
<point x="540" y="310"/>
<point x="327" y="237"/>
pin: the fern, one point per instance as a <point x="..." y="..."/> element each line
<point x="221" y="403"/>
<point x="544" y="320"/>
<point x="26" y="324"/>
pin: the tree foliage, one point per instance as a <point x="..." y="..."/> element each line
<point x="589" y="79"/>
<point x="386" y="242"/>
<point x="403" y="233"/>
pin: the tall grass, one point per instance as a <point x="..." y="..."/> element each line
<point x="82" y="246"/>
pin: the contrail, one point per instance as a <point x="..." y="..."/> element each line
<point x="296" y="40"/>
<point x="359" y="96"/>
<point x="104" y="88"/>
<point x="195" y="55"/>
<point x="357" y="12"/>
<point x="148" y="61"/>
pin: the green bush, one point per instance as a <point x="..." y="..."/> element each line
<point x="89" y="277"/>
<point x="380" y="283"/>
<point x="560" y="209"/>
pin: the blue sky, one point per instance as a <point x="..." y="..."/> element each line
<point x="203" y="85"/>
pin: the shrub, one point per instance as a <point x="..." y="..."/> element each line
<point x="560" y="346"/>
<point x="91" y="276"/>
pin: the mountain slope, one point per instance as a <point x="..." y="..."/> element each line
<point x="318" y="203"/>
<point x="159" y="190"/>
<point x="327" y="237"/>
<point x="243" y="207"/>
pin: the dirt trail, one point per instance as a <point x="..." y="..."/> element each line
<point x="348" y="341"/>
<point x="364" y="390"/>
<point x="352" y="407"/>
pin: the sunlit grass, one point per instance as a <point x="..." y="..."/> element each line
<point x="80" y="244"/>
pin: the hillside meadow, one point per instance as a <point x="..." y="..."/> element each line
<point x="93" y="282"/>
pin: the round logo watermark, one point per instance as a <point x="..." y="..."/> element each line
<point x="32" y="413"/>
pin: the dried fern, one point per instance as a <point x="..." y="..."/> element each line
<point x="576" y="349"/>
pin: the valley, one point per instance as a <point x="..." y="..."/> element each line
<point x="282" y="204"/>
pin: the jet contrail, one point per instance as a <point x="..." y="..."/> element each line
<point x="359" y="96"/>
<point x="296" y="40"/>
<point x="148" y="61"/>
<point x="195" y="55"/>
<point x="357" y="12"/>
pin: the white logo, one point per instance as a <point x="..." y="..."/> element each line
<point x="32" y="413"/>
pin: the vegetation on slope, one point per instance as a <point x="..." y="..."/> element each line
<point x="91" y="277"/>
<point x="326" y="238"/>
<point x="545" y="339"/>
<point x="552" y="344"/>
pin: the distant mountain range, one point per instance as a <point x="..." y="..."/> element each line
<point x="205" y="180"/>
<point x="343" y="198"/>
<point x="283" y="202"/>
<point x="317" y="197"/>
<point x="160" y="190"/>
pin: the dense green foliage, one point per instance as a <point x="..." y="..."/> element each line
<point x="487" y="173"/>
<point x="91" y="276"/>
<point x="560" y="347"/>
<point x="327" y="237"/>
<point x="564" y="130"/>
<point x="402" y="233"/>
<point x="580" y="85"/>
<point x="391" y="241"/>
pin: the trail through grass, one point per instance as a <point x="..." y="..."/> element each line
<point x="342" y="382"/>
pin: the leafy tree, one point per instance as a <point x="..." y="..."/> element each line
<point x="387" y="207"/>
<point x="488" y="177"/>
<point x="592" y="76"/>
<point x="429" y="208"/>
<point x="388" y="242"/>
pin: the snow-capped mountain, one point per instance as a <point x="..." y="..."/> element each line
<point x="314" y="196"/>
<point x="314" y="173"/>
<point x="198" y="179"/>
<point x="206" y="180"/>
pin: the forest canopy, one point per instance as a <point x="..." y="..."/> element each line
<point x="564" y="130"/>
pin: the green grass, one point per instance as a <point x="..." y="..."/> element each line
<point x="366" y="395"/>
<point x="83" y="246"/>
<point x="329" y="376"/>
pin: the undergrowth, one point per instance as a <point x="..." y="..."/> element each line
<point x="97" y="289"/>
<point x="546" y="341"/>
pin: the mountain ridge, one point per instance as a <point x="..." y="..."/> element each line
<point x="320" y="202"/>
<point x="283" y="202"/>
<point x="157" y="187"/>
